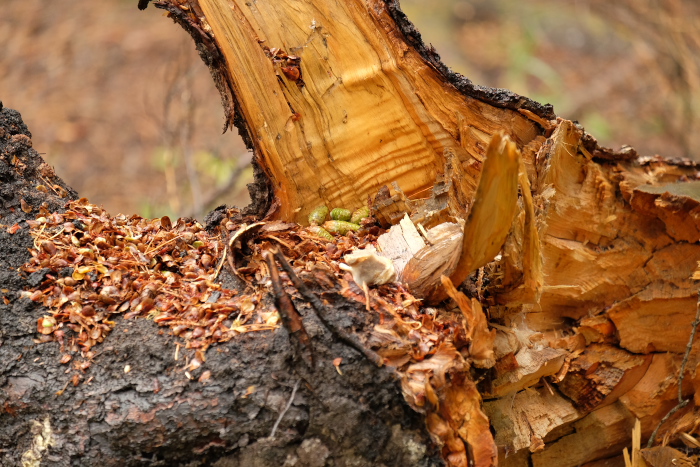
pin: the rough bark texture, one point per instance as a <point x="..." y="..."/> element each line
<point x="591" y="302"/>
<point x="154" y="414"/>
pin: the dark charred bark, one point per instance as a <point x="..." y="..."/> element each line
<point x="156" y="414"/>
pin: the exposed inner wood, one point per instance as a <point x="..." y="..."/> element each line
<point x="370" y="110"/>
<point x="593" y="293"/>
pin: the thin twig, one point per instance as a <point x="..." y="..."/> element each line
<point x="220" y="265"/>
<point x="322" y="313"/>
<point x="284" y="412"/>
<point x="291" y="319"/>
<point x="681" y="403"/>
<point x="161" y="245"/>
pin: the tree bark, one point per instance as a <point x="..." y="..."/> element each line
<point x="92" y="411"/>
<point x="591" y="303"/>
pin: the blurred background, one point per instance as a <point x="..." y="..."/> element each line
<point x="119" y="102"/>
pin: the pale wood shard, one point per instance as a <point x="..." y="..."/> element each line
<point x="523" y="269"/>
<point x="400" y="243"/>
<point x="491" y="214"/>
<point x="413" y="238"/>
<point x="532" y="365"/>
<point x="424" y="270"/>
<point x="487" y="225"/>
<point x="602" y="433"/>
<point x="533" y="278"/>
<point x="535" y="413"/>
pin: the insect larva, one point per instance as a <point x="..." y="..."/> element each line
<point x="359" y="214"/>
<point x="340" y="227"/>
<point x="340" y="214"/>
<point x="320" y="232"/>
<point x="318" y="215"/>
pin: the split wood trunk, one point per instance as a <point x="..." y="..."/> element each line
<point x="585" y="275"/>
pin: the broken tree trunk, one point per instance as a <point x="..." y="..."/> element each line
<point x="590" y="302"/>
<point x="340" y="99"/>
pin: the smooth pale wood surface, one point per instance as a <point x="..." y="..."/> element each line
<point x="371" y="112"/>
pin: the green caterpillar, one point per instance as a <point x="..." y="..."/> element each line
<point x="340" y="214"/>
<point x="318" y="215"/>
<point x="340" y="227"/>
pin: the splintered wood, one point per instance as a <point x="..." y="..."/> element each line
<point x="314" y="120"/>
<point x="615" y="287"/>
<point x="552" y="387"/>
<point x="575" y="263"/>
<point x="586" y="299"/>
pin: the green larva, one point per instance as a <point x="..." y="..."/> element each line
<point x="359" y="214"/>
<point x="340" y="227"/>
<point x="340" y="214"/>
<point x="318" y="215"/>
<point x="320" y="232"/>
